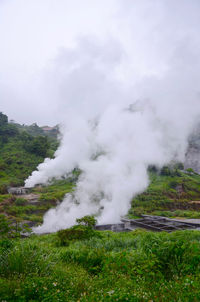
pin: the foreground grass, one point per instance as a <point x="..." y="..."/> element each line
<point x="135" y="266"/>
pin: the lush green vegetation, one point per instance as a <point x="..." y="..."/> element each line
<point x="20" y="153"/>
<point x="32" y="207"/>
<point x="171" y="193"/>
<point x="22" y="148"/>
<point x="135" y="266"/>
<point x="80" y="263"/>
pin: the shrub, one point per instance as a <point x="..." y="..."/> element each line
<point x="88" y="221"/>
<point x="5" y="227"/>
<point x="3" y="189"/>
<point x="173" y="184"/>
<point x="91" y="259"/>
<point x="20" y="201"/>
<point x="165" y="171"/>
<point x="84" y="230"/>
<point x="77" y="232"/>
<point x="10" y="229"/>
<point x="190" y="171"/>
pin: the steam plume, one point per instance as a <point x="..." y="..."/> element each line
<point x="113" y="131"/>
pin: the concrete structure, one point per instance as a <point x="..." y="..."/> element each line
<point x="153" y="223"/>
<point x="18" y="190"/>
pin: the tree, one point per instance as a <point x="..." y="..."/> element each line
<point x="3" y="119"/>
<point x="6" y="130"/>
<point x="38" y="145"/>
<point x="88" y="221"/>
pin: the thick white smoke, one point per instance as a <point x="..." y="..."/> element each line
<point x="114" y="130"/>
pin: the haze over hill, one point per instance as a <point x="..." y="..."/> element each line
<point x="193" y="153"/>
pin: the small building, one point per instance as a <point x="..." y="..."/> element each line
<point x="18" y="190"/>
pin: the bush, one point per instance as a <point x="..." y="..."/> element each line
<point x="3" y="189"/>
<point x="38" y="145"/>
<point x="88" y="221"/>
<point x="190" y="171"/>
<point x="84" y="230"/>
<point x="10" y="229"/>
<point x="78" y="232"/>
<point x="165" y="171"/>
<point x="91" y="259"/>
<point x="173" y="184"/>
<point x="20" y="201"/>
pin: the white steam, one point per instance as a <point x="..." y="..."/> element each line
<point x="115" y="128"/>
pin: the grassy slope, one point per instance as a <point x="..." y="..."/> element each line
<point x="20" y="209"/>
<point x="135" y="266"/>
<point x="16" y="164"/>
<point x="170" y="196"/>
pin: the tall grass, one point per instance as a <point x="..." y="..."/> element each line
<point x="24" y="259"/>
<point x="134" y="266"/>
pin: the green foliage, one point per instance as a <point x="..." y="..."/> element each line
<point x="134" y="266"/>
<point x="4" y="226"/>
<point x="171" y="171"/>
<point x="19" y="201"/>
<point x="90" y="259"/>
<point x="11" y="229"/>
<point x="165" y="171"/>
<point x="88" y="221"/>
<point x="179" y="166"/>
<point x="84" y="230"/>
<point x="3" y="119"/>
<point x="190" y="171"/>
<point x="38" y="145"/>
<point x="3" y="189"/>
<point x="166" y="195"/>
<point x="24" y="259"/>
<point x="77" y="232"/>
<point x="21" y="151"/>
<point x="6" y="130"/>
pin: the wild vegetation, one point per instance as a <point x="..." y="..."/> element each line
<point x="172" y="193"/>
<point x="80" y="263"/>
<point x="102" y="266"/>
<point x="20" y="153"/>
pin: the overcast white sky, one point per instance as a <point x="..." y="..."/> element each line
<point x="137" y="39"/>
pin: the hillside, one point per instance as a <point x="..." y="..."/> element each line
<point x="21" y="151"/>
<point x="172" y="192"/>
<point x="82" y="264"/>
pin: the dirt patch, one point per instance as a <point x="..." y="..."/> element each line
<point x="31" y="198"/>
<point x="195" y="201"/>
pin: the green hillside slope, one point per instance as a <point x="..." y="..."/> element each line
<point x="172" y="192"/>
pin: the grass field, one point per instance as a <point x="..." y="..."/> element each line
<point x="135" y="266"/>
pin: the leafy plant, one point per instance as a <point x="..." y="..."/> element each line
<point x="88" y="221"/>
<point x="20" y="201"/>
